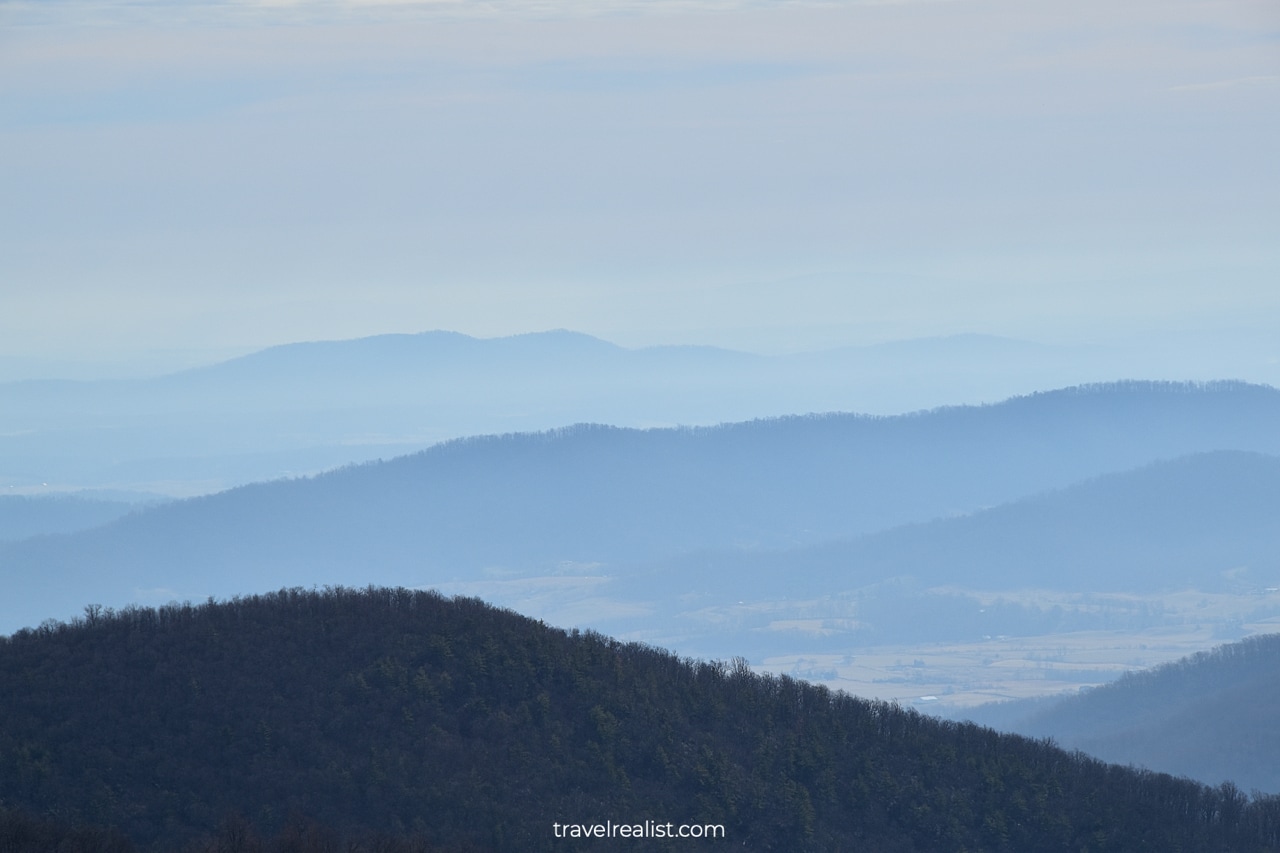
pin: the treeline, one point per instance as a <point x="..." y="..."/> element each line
<point x="404" y="719"/>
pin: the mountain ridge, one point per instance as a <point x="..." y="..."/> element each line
<point x="306" y="407"/>
<point x="528" y="502"/>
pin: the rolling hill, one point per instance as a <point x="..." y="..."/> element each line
<point x="396" y="714"/>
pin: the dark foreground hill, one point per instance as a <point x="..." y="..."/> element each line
<point x="407" y="714"/>
<point x="1211" y="716"/>
<point x="503" y="506"/>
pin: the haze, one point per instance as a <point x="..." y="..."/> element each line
<point x="189" y="181"/>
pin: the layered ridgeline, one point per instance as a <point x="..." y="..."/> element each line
<point x="303" y="408"/>
<point x="597" y="500"/>
<point x="1211" y="716"/>
<point x="1203" y="522"/>
<point x="408" y="714"/>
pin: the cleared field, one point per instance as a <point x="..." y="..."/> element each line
<point x="959" y="675"/>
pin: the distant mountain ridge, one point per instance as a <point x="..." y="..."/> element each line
<point x="528" y="503"/>
<point x="307" y="407"/>
<point x="404" y="354"/>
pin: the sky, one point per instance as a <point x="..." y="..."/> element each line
<point x="186" y="180"/>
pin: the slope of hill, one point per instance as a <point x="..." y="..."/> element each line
<point x="399" y="712"/>
<point x="1205" y="521"/>
<point x="534" y="503"/>
<point x="1210" y="716"/>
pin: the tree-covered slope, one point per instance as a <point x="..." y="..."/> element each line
<point x="397" y="712"/>
<point x="1211" y="716"/>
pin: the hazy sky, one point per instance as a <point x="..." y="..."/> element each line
<point x="202" y="176"/>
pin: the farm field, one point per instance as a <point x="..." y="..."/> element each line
<point x="954" y="676"/>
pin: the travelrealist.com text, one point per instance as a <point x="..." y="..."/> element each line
<point x="647" y="829"/>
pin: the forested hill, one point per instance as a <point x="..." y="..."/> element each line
<point x="590" y="494"/>
<point x="408" y="714"/>
<point x="1211" y="716"/>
